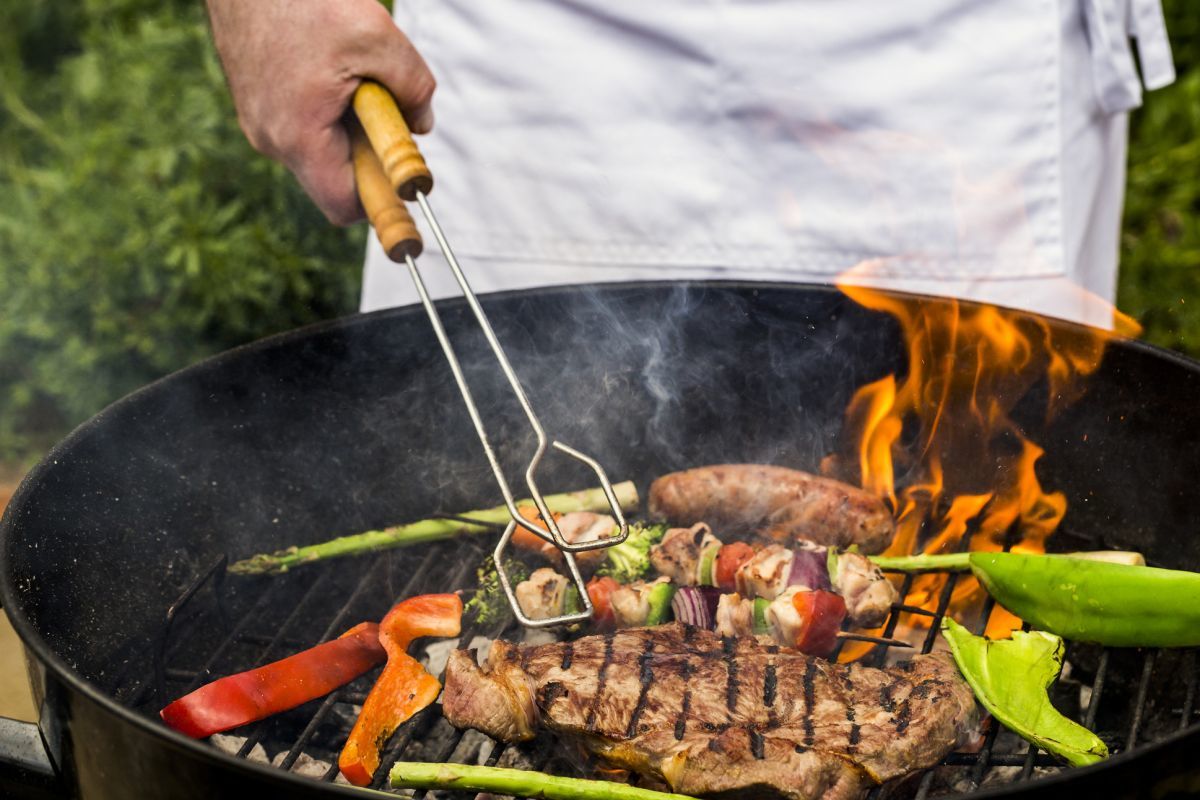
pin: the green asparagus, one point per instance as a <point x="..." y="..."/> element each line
<point x="429" y="530"/>
<point x="521" y="783"/>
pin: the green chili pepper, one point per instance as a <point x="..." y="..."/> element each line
<point x="660" y="603"/>
<point x="1095" y="601"/>
<point x="1010" y="678"/>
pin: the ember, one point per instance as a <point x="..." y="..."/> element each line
<point x="942" y="446"/>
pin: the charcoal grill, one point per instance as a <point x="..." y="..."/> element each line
<point x="115" y="548"/>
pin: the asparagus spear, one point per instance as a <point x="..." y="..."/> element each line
<point x="522" y="783"/>
<point x="427" y="530"/>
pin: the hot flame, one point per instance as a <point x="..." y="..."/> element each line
<point x="941" y="445"/>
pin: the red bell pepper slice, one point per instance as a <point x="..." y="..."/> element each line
<point x="257" y="693"/>
<point x="405" y="687"/>
<point x="730" y="558"/>
<point x="821" y="615"/>
<point x="600" y="593"/>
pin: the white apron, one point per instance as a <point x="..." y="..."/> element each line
<point x="951" y="147"/>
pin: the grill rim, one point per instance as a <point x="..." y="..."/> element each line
<point x="39" y="650"/>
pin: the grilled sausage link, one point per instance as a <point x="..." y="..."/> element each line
<point x="777" y="503"/>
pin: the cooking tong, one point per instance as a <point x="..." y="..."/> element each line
<point x="389" y="169"/>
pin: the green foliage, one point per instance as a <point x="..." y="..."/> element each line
<point x="1160" y="244"/>
<point x="138" y="230"/>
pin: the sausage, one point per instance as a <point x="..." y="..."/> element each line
<point x="776" y="503"/>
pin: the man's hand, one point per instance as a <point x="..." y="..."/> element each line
<point x="293" y="66"/>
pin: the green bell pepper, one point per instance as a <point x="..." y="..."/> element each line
<point x="1095" y="601"/>
<point x="660" y="603"/>
<point x="1010" y="678"/>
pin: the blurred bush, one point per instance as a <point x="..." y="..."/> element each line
<point x="138" y="230"/>
<point x="1160" y="243"/>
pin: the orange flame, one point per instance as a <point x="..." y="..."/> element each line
<point x="941" y="445"/>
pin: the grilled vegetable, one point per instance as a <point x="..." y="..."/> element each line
<point x="630" y="560"/>
<point x="489" y="605"/>
<point x="600" y="590"/>
<point x="696" y="605"/>
<point x="1095" y="601"/>
<point x="502" y="781"/>
<point x="660" y="599"/>
<point x="730" y="559"/>
<point x="821" y="615"/>
<point x="633" y="604"/>
<point x="961" y="562"/>
<point x="405" y="687"/>
<point x="429" y="530"/>
<point x="258" y="693"/>
<point x="1010" y="678"/>
<point x="810" y="568"/>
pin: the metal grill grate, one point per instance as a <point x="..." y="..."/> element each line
<point x="219" y="626"/>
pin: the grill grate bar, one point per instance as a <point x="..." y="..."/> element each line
<point x="1031" y="757"/>
<point x="1089" y="721"/>
<point x="1139" y="703"/>
<point x="889" y="629"/>
<point x="1189" y="698"/>
<point x="263" y="600"/>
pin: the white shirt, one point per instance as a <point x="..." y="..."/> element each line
<point x="951" y="147"/>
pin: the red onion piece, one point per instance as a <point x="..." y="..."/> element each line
<point x="810" y="568"/>
<point x="690" y="606"/>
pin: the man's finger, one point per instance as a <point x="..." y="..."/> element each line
<point x="327" y="175"/>
<point x="399" y="67"/>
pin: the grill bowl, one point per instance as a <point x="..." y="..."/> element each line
<point x="356" y="424"/>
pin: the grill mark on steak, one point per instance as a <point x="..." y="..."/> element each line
<point x="590" y="724"/>
<point x="756" y="744"/>
<point x="645" y="676"/>
<point x="853" y="737"/>
<point x="551" y="692"/>
<point x="885" y="699"/>
<point x="810" y="674"/>
<point x="568" y="654"/>
<point x="903" y="717"/>
<point x="728" y="648"/>
<point x="685" y="671"/>
<point x="769" y="685"/>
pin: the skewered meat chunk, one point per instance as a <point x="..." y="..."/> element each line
<point x="766" y="574"/>
<point x="869" y="595"/>
<point x="712" y="715"/>
<point x="784" y="505"/>
<point x="678" y="554"/>
<point x="541" y="597"/>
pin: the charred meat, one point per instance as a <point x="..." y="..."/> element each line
<point x="780" y="504"/>
<point x="713" y="715"/>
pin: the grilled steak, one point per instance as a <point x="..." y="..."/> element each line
<point x="713" y="715"/>
<point x="774" y="502"/>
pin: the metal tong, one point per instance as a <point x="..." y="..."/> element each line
<point x="389" y="169"/>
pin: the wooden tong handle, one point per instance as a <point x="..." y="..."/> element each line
<point x="392" y="223"/>
<point x="393" y="142"/>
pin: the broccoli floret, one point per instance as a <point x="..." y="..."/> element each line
<point x="630" y="560"/>
<point x="489" y="605"/>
